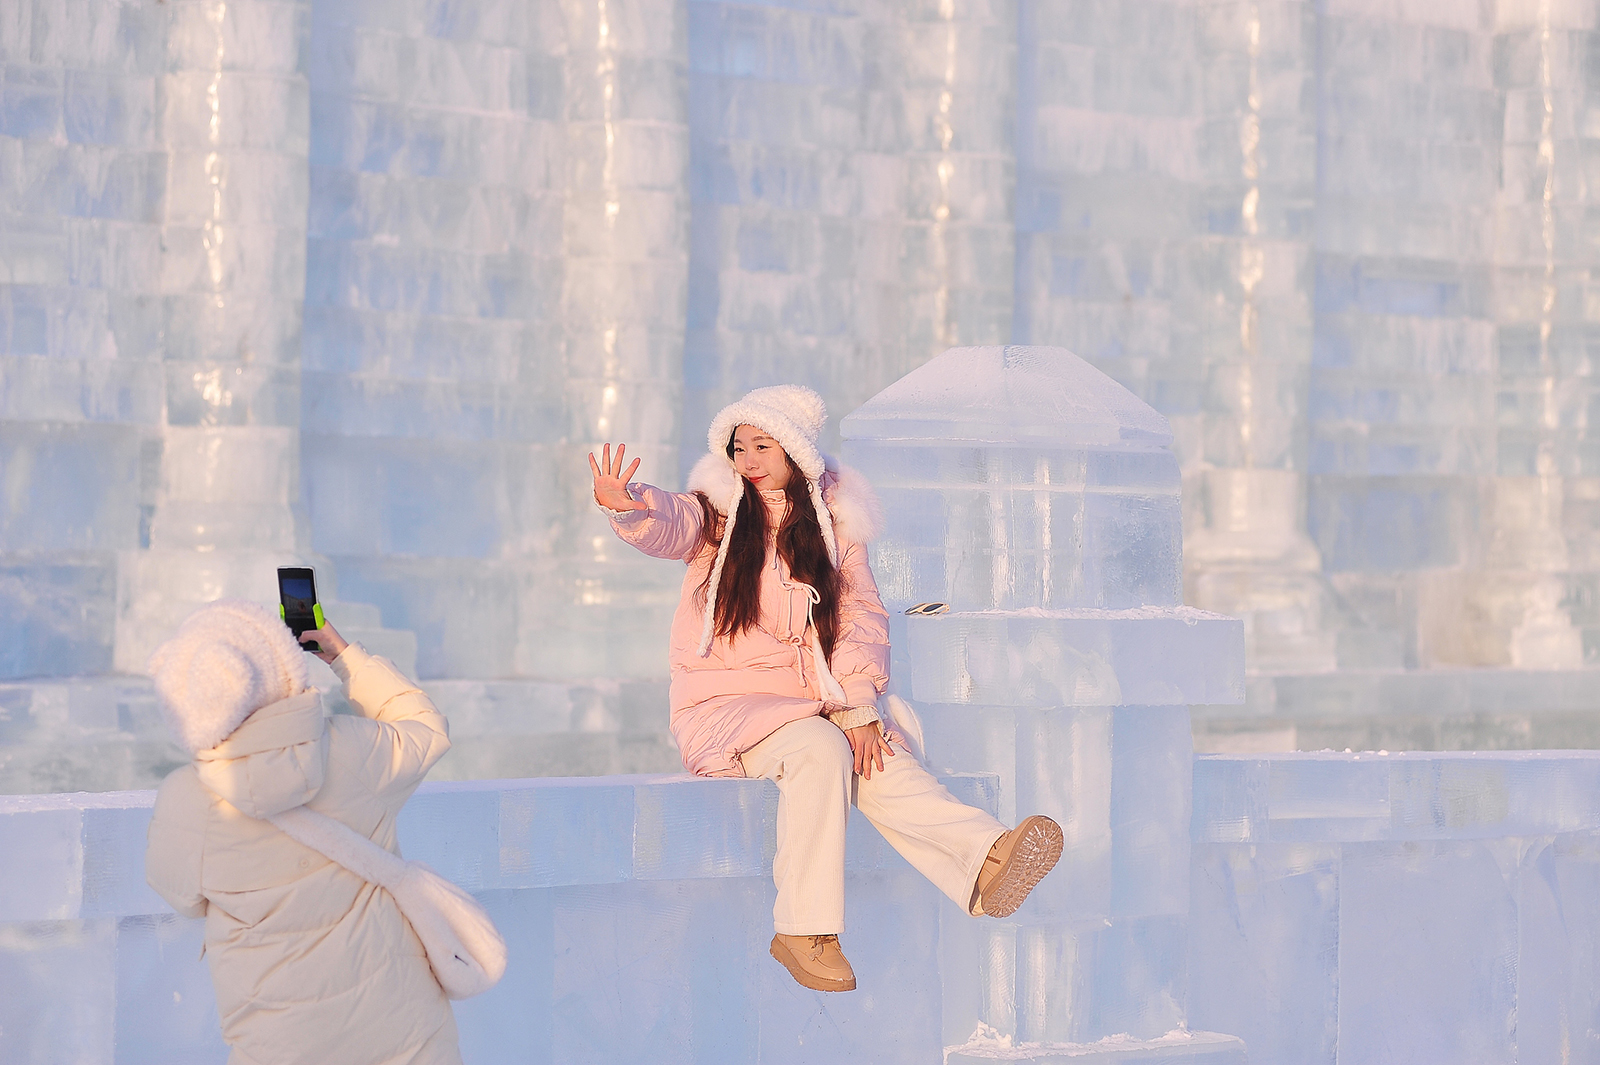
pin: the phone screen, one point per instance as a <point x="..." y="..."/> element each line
<point x="297" y="594"/>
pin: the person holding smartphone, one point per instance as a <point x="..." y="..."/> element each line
<point x="779" y="651"/>
<point x="311" y="963"/>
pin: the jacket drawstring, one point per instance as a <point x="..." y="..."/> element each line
<point x="797" y="640"/>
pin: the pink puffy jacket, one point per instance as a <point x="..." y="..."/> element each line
<point x="746" y="688"/>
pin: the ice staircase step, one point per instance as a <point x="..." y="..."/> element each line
<point x="1189" y="1048"/>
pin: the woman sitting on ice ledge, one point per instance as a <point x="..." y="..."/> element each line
<point x="312" y="964"/>
<point x="780" y="649"/>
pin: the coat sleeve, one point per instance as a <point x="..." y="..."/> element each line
<point x="669" y="526"/>
<point x="175" y="843"/>
<point x="860" y="661"/>
<point x="411" y="734"/>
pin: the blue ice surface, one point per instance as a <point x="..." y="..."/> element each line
<point x="1422" y="907"/>
<point x="637" y="911"/>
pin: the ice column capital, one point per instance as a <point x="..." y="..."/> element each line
<point x="1016" y="478"/>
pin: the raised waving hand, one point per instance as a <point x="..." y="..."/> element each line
<point x="610" y="483"/>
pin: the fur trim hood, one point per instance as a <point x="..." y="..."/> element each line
<point x="227" y="660"/>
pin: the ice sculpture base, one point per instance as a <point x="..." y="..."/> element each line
<point x="1187" y="1048"/>
<point x="1427" y="908"/>
<point x="638" y="911"/>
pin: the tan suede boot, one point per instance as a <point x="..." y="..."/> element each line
<point x="815" y="962"/>
<point x="1016" y="863"/>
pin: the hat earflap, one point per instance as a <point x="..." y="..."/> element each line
<point x="824" y="521"/>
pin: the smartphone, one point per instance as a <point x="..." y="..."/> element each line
<point x="297" y="602"/>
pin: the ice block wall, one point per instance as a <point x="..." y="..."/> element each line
<point x="154" y="246"/>
<point x="496" y="284"/>
<point x="637" y="911"/>
<point x="361" y="285"/>
<point x="852" y="182"/>
<point x="1420" y="908"/>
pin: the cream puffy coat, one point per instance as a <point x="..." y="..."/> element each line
<point x="311" y="963"/>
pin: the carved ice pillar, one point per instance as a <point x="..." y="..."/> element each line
<point x="1515" y="607"/>
<point x="1250" y="322"/>
<point x="233" y="116"/>
<point x="957" y="91"/>
<point x="623" y="306"/>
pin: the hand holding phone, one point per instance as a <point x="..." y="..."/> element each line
<point x="297" y="602"/>
<point x="325" y="643"/>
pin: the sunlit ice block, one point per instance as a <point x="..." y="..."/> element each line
<point x="1377" y="796"/>
<point x="74" y="856"/>
<point x="1264" y="947"/>
<point x="637" y="911"/>
<point x="1395" y="907"/>
<point x="1014" y="527"/>
<point x="1151" y="656"/>
<point x="1019" y="477"/>
<point x="1083" y="981"/>
<point x="1117" y="780"/>
<point x="58" y="990"/>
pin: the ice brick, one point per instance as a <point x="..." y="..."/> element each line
<point x="1064" y="770"/>
<point x="1142" y="657"/>
<point x="620" y="959"/>
<point x="687" y="827"/>
<point x="566" y="832"/>
<point x="166" y="1005"/>
<point x="1558" y="946"/>
<point x="58" y="990"/>
<point x="1381" y="796"/>
<point x="1264" y="948"/>
<point x="1151" y="786"/>
<point x="1009" y="395"/>
<point x="512" y="1022"/>
<point x="1082" y="982"/>
<point x="47" y="884"/>
<point x="1428" y="951"/>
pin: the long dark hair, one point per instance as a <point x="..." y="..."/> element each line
<point x="800" y="545"/>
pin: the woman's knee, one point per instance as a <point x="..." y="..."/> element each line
<point x="823" y="744"/>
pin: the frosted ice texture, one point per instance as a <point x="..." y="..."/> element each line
<point x="851" y="175"/>
<point x="1019" y="477"/>
<point x="1394" y="904"/>
<point x="608" y="890"/>
<point x="450" y="248"/>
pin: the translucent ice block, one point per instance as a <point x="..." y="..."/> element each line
<point x="1428" y="942"/>
<point x="1143" y="657"/>
<point x="1264" y="948"/>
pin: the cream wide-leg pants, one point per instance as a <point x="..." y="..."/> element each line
<point x="943" y="838"/>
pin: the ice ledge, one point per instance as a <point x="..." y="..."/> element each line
<point x="81" y="855"/>
<point x="1195" y="1048"/>
<point x="1377" y="796"/>
<point x="1145" y="656"/>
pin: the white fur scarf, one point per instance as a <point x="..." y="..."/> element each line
<point x="853" y="514"/>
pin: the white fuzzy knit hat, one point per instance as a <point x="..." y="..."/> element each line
<point x="794" y="416"/>
<point x="227" y="660"/>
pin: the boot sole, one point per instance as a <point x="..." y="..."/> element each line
<point x="804" y="978"/>
<point x="1035" y="854"/>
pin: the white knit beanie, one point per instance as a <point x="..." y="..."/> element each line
<point x="794" y="416"/>
<point x="227" y="660"/>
